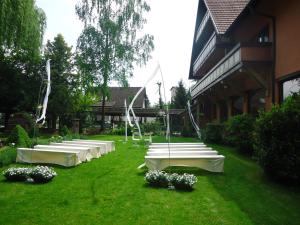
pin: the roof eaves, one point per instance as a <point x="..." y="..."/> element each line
<point x="212" y="18"/>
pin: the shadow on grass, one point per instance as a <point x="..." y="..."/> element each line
<point x="245" y="184"/>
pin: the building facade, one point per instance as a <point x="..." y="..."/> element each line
<point x="245" y="57"/>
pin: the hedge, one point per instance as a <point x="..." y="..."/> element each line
<point x="277" y="140"/>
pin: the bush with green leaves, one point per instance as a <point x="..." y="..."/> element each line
<point x="183" y="182"/>
<point x="213" y="133"/>
<point x="239" y="132"/>
<point x="56" y="138"/>
<point x="120" y="131"/>
<point x="157" y="178"/>
<point x="64" y="131"/>
<point x="17" y="174"/>
<point x="25" y="120"/>
<point x="19" y="137"/>
<point x="42" y="174"/>
<point x="277" y="140"/>
<point x="8" y="156"/>
<point x="154" y="127"/>
<point x="188" y="131"/>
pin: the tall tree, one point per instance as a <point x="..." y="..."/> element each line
<point x="181" y="97"/>
<point x="22" y="26"/>
<point x="111" y="42"/>
<point x="62" y="100"/>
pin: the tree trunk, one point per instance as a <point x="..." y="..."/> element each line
<point x="103" y="112"/>
<point x="6" y="118"/>
<point x="53" y="125"/>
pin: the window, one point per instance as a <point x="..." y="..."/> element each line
<point x="290" y="86"/>
<point x="257" y="102"/>
<point x="263" y="35"/>
<point x="237" y="106"/>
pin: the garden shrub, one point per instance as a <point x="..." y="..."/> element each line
<point x="277" y="140"/>
<point x="26" y="121"/>
<point x="120" y="131"/>
<point x="213" y="133"/>
<point x="188" y="132"/>
<point x="17" y="174"/>
<point x="183" y="182"/>
<point x="157" y="178"/>
<point x="7" y="156"/>
<point x="64" y="131"/>
<point x="154" y="127"/>
<point x="239" y="132"/>
<point x="56" y="138"/>
<point x="19" y="137"/>
<point x="42" y="174"/>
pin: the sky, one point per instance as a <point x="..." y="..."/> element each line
<point x="171" y="22"/>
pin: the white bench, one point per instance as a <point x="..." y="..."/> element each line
<point x="109" y="143"/>
<point x="104" y="147"/>
<point x="62" y="158"/>
<point x="179" y="143"/>
<point x="213" y="163"/>
<point x="84" y="152"/>
<point x="181" y="153"/>
<point x="181" y="149"/>
<point x="94" y="149"/>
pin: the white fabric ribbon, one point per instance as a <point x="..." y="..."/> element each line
<point x="130" y="109"/>
<point x="45" y="102"/>
<point x="193" y="121"/>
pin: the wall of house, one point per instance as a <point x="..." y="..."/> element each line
<point x="288" y="36"/>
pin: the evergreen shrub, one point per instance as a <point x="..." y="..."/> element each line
<point x="239" y="132"/>
<point x="213" y="133"/>
<point x="19" y="137"/>
<point x="277" y="140"/>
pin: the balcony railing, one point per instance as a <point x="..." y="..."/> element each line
<point x="246" y="53"/>
<point x="202" y="25"/>
<point x="211" y="43"/>
<point x="226" y="64"/>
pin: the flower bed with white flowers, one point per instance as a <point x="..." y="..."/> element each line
<point x="42" y="174"/>
<point x="17" y="174"/>
<point x="39" y="174"/>
<point x="157" y="178"/>
<point x="183" y="182"/>
<point x="162" y="179"/>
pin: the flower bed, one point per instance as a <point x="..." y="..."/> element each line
<point x="17" y="174"/>
<point x="183" y="182"/>
<point x="158" y="178"/>
<point x="39" y="174"/>
<point x="42" y="174"/>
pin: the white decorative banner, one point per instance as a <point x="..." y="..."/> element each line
<point x="45" y="102"/>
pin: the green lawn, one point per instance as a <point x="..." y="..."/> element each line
<point x="110" y="190"/>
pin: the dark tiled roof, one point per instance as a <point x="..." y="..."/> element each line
<point x="118" y="95"/>
<point x="224" y="12"/>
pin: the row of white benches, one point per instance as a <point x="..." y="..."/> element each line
<point x="163" y="155"/>
<point x="66" y="153"/>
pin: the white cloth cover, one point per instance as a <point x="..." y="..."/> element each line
<point x="110" y="143"/>
<point x="62" y="158"/>
<point x="179" y="143"/>
<point x="94" y="149"/>
<point x="104" y="147"/>
<point x="180" y="149"/>
<point x="181" y="153"/>
<point x="209" y="163"/>
<point x="84" y="153"/>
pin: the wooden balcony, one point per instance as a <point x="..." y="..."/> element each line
<point x="202" y="25"/>
<point x="212" y="52"/>
<point x="240" y="55"/>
